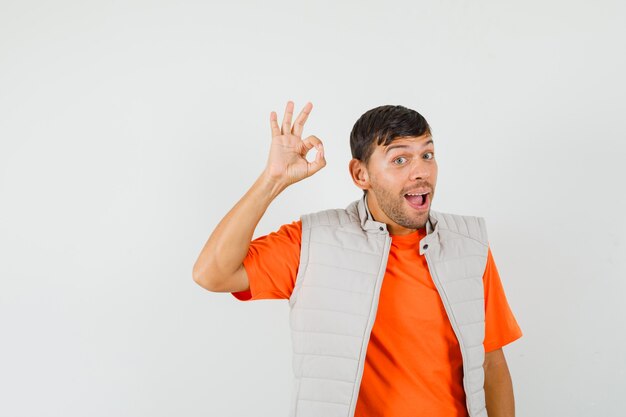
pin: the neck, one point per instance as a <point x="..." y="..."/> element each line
<point x="378" y="215"/>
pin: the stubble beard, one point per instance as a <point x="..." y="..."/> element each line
<point x="393" y="206"/>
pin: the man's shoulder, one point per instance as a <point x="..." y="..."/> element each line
<point x="448" y="217"/>
<point x="469" y="225"/>
<point x="332" y="216"/>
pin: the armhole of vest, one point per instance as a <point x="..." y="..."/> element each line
<point x="304" y="258"/>
<point x="482" y="230"/>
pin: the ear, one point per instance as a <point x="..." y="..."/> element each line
<point x="360" y="176"/>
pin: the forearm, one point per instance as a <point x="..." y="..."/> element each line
<point x="228" y="245"/>
<point x="499" y="391"/>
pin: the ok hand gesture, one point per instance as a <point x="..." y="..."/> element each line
<point x="287" y="163"/>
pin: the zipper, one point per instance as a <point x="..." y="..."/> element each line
<point x="370" y="324"/>
<point x="452" y="320"/>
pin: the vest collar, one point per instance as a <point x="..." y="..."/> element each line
<point x="367" y="220"/>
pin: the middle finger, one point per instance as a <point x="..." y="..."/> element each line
<point x="298" y="125"/>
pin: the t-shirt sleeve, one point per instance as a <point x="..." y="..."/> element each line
<point x="272" y="264"/>
<point x="501" y="328"/>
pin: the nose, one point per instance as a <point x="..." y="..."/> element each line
<point x="419" y="169"/>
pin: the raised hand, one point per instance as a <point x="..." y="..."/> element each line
<point x="287" y="163"/>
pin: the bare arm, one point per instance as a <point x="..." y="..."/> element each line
<point x="498" y="385"/>
<point x="219" y="266"/>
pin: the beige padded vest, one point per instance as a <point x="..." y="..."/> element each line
<point x="333" y="305"/>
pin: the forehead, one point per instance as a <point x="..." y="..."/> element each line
<point x="406" y="142"/>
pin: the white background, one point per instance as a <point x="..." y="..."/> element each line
<point x="129" y="128"/>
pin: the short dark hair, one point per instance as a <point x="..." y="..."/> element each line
<point x="381" y="125"/>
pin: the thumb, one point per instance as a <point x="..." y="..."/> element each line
<point x="318" y="163"/>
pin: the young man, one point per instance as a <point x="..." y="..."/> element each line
<point x="396" y="309"/>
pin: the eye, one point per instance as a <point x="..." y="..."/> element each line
<point x="430" y="153"/>
<point x="400" y="160"/>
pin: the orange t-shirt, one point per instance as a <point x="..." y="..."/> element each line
<point x="413" y="365"/>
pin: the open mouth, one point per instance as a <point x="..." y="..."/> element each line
<point x="418" y="201"/>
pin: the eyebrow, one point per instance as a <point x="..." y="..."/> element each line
<point x="390" y="147"/>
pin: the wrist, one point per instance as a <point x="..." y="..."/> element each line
<point x="271" y="185"/>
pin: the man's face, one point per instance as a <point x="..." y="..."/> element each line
<point x="395" y="176"/>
